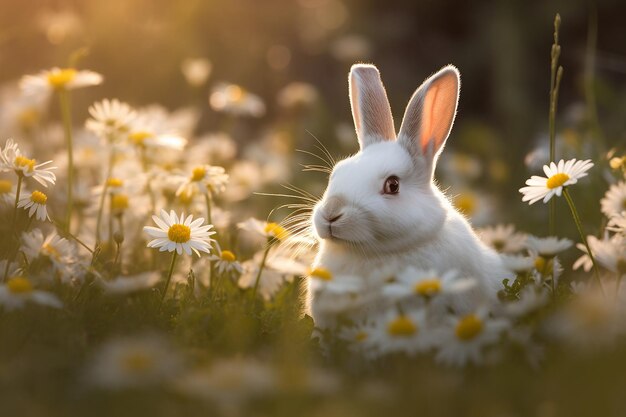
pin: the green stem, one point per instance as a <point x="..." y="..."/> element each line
<point x="68" y="234"/>
<point x="169" y="275"/>
<point x="64" y="102"/>
<point x="589" y="77"/>
<point x="119" y="240"/>
<point x="572" y="208"/>
<point x="207" y="199"/>
<point x="110" y="219"/>
<point x="20" y="178"/>
<point x="105" y="188"/>
<point x="261" y="267"/>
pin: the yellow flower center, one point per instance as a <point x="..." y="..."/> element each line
<point x="19" y="285"/>
<point x="321" y="273"/>
<point x="543" y="265"/>
<point x="186" y="197"/>
<point x="618" y="162"/>
<point x="60" y="78"/>
<point x="276" y="230"/>
<point x="23" y="162"/>
<point x="428" y="287"/>
<point x="114" y="182"/>
<point x="137" y="362"/>
<point x="198" y="174"/>
<point x="5" y="186"/>
<point x="50" y="251"/>
<point x="139" y="137"/>
<point x="38" y="197"/>
<point x="119" y="202"/>
<point x="402" y="327"/>
<point x="465" y="203"/>
<point x="557" y="180"/>
<point x="469" y="327"/>
<point x="361" y="336"/>
<point x="179" y="233"/>
<point x="28" y="117"/>
<point x="540" y="263"/>
<point x="235" y="93"/>
<point x="227" y="256"/>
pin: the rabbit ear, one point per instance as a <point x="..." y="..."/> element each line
<point x="430" y="114"/>
<point x="370" y="107"/>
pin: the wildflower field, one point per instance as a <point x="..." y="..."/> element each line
<point x="206" y="208"/>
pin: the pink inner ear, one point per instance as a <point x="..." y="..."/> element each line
<point x="438" y="112"/>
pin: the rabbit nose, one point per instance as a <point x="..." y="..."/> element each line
<point x="333" y="208"/>
<point x="334" y="218"/>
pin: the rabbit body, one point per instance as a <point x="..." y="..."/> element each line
<point x="382" y="210"/>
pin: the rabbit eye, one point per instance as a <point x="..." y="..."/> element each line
<point x="392" y="185"/>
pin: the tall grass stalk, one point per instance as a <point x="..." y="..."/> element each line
<point x="105" y="188"/>
<point x="556" y="73"/>
<point x="64" y="103"/>
<point x="261" y="267"/>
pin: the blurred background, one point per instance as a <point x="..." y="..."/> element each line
<point x="177" y="53"/>
<point x="251" y="81"/>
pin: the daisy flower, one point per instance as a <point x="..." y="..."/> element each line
<point x="589" y="320"/>
<point x="231" y="383"/>
<point x="18" y="290"/>
<point x="557" y="177"/>
<point x="618" y="223"/>
<point x="134" y="362"/>
<point x="478" y="207"/>
<point x="611" y="253"/>
<point x="463" y="339"/>
<point x="212" y="147"/>
<point x="585" y="261"/>
<point x="179" y="234"/>
<point x="322" y="280"/>
<point x="519" y="264"/>
<point x="357" y="337"/>
<point x="196" y="71"/>
<point x="11" y="158"/>
<point x="7" y="192"/>
<point x="503" y="238"/>
<point x="426" y="284"/>
<point x="206" y="179"/>
<point x="130" y="284"/>
<point x="614" y="201"/>
<point x="110" y="118"/>
<point x="35" y="204"/>
<point x="226" y="262"/>
<point x="395" y="332"/>
<point x="58" y="79"/>
<point x="548" y="247"/>
<point x="57" y="250"/>
<point x="233" y="99"/>
<point x="151" y="130"/>
<point x="265" y="229"/>
<point x="277" y="269"/>
<point x="297" y="95"/>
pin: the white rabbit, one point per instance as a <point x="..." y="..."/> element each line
<point x="382" y="208"/>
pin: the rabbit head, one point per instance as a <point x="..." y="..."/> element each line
<point x="383" y="199"/>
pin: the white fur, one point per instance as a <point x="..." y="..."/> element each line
<point x="417" y="227"/>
